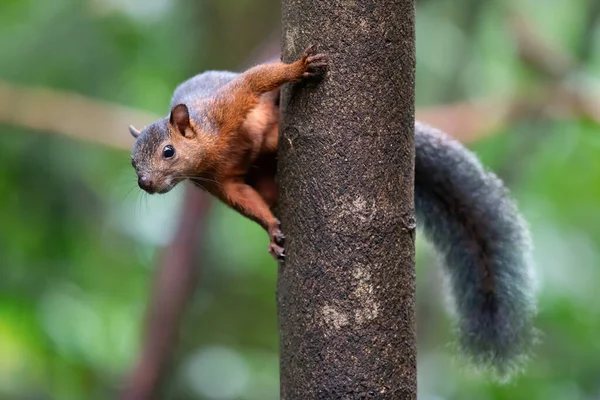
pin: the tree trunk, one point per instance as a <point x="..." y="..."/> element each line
<point x="346" y="171"/>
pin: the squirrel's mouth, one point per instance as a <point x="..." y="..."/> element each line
<point x="164" y="190"/>
<point x="149" y="190"/>
<point x="161" y="187"/>
<point x="167" y="187"/>
<point x="155" y="190"/>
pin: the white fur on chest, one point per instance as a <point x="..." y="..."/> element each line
<point x="262" y="118"/>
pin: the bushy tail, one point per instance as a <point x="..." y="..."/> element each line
<point x="484" y="244"/>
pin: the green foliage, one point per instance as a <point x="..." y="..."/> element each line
<point x="78" y="240"/>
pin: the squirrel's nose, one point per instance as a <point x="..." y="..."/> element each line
<point x="145" y="183"/>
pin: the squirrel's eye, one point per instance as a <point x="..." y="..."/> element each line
<point x="168" y="151"/>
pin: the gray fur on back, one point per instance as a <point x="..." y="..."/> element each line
<point x="467" y="214"/>
<point x="201" y="86"/>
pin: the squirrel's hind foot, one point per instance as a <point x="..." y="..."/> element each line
<point x="277" y="238"/>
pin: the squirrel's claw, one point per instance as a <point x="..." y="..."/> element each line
<point x="313" y="62"/>
<point x="317" y="57"/>
<point x="277" y="252"/>
<point x="308" y="51"/>
<point x="277" y="238"/>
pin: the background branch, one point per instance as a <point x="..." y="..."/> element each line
<point x="560" y="96"/>
<point x="537" y="52"/>
<point x="70" y="114"/>
<point x="105" y="123"/>
<point x="175" y="281"/>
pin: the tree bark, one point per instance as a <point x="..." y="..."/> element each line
<point x="346" y="173"/>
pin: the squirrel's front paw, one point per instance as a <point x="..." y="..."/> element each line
<point x="313" y="64"/>
<point x="276" y="246"/>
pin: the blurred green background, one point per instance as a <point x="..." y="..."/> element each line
<point x="79" y="241"/>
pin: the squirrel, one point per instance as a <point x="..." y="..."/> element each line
<point x="222" y="133"/>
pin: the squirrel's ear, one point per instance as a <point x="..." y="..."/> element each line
<point x="180" y="119"/>
<point x="134" y="132"/>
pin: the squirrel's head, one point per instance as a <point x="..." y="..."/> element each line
<point x="167" y="151"/>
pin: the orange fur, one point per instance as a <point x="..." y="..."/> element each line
<point x="238" y="165"/>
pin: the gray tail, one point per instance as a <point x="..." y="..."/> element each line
<point x="484" y="245"/>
